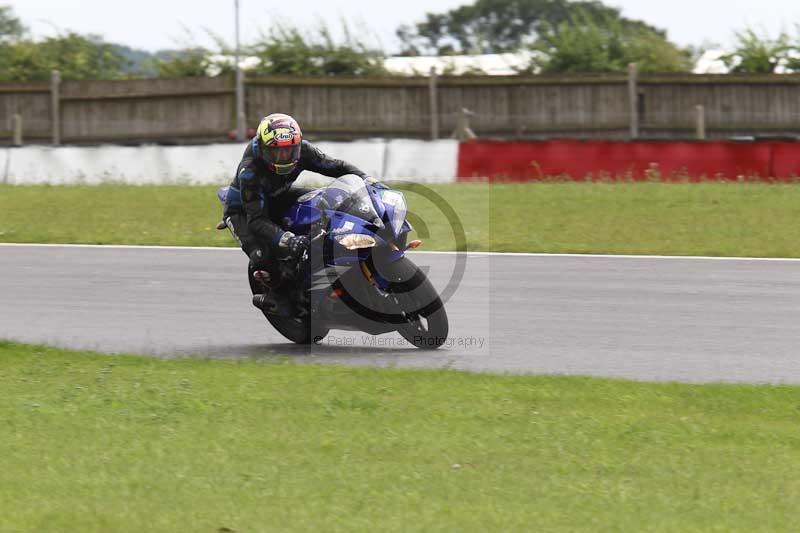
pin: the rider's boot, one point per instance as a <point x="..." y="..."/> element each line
<point x="265" y="303"/>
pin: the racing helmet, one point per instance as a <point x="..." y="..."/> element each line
<point x="280" y="142"/>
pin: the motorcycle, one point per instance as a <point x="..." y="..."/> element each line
<point x="356" y="275"/>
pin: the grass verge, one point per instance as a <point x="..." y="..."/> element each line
<point x="99" y="443"/>
<point x="715" y="219"/>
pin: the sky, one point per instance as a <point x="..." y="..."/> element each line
<point x="158" y="24"/>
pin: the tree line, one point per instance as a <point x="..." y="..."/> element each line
<point x="559" y="36"/>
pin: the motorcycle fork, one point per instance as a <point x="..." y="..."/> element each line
<point x="367" y="272"/>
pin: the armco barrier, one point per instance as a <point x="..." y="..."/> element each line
<point x="213" y="164"/>
<point x="606" y="160"/>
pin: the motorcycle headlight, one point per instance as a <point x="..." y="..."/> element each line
<point x="356" y="241"/>
<point x="398" y="202"/>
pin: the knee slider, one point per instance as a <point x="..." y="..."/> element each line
<point x="259" y="258"/>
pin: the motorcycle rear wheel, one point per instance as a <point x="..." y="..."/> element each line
<point x="299" y="331"/>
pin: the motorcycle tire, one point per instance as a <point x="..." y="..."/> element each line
<point x="299" y="331"/>
<point x="426" y="325"/>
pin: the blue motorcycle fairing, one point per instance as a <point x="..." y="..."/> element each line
<point x="222" y="194"/>
<point x="351" y="207"/>
<point x="299" y="217"/>
<point x="375" y="194"/>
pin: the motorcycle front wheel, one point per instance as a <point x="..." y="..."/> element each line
<point x="424" y="319"/>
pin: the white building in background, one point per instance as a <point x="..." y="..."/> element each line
<point x="220" y="60"/>
<point x="711" y="63"/>
<point x="488" y="64"/>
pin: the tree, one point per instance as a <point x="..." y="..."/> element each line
<point x="137" y="62"/>
<point x="792" y="56"/>
<point x="760" y="54"/>
<point x="585" y="45"/>
<point x="283" y="51"/>
<point x="287" y="51"/>
<point x="10" y="25"/>
<point x="496" y="26"/>
<point x="78" y="57"/>
<point x="187" y="63"/>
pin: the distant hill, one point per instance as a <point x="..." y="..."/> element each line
<point x="141" y="62"/>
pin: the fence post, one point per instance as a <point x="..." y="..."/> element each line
<point x="55" y="105"/>
<point x="463" y="130"/>
<point x="633" y="99"/>
<point x="434" y="99"/>
<point x="17" y="121"/>
<point x="700" y="122"/>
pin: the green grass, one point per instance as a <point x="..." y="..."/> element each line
<point x="100" y="443"/>
<point x="645" y="218"/>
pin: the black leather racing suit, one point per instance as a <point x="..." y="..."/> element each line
<point x="258" y="197"/>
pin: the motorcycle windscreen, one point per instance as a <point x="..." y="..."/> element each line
<point x="349" y="194"/>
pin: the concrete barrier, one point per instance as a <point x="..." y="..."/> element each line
<point x="421" y="161"/>
<point x="212" y="164"/>
<point x="366" y="155"/>
<point x="4" y="165"/>
<point x="118" y="164"/>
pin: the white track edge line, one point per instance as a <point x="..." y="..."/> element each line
<point x="115" y="246"/>
<point x="421" y="252"/>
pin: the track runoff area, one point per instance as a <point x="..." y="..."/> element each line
<point x="653" y="318"/>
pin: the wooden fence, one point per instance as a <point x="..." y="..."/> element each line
<point x="514" y="107"/>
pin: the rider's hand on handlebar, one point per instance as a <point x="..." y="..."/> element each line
<point x="294" y="244"/>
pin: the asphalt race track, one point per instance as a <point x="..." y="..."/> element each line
<point x="666" y="319"/>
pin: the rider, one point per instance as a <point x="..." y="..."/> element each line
<point x="261" y="191"/>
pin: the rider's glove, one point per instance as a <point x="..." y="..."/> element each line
<point x="295" y="245"/>
<point x="369" y="180"/>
